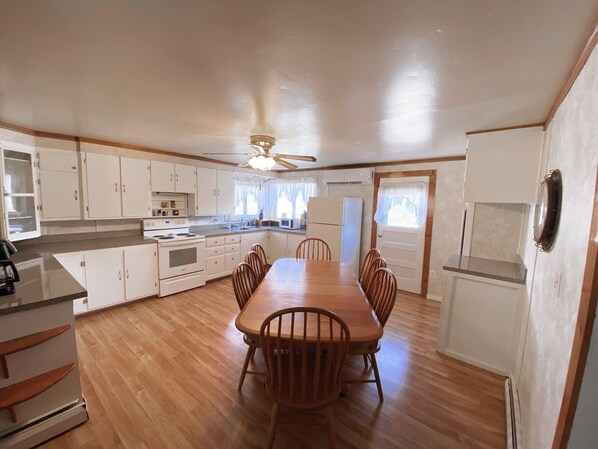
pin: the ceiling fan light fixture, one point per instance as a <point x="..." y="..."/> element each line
<point x="261" y="162"/>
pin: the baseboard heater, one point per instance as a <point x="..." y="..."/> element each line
<point x="513" y="416"/>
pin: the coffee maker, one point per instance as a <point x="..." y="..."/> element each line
<point x="8" y="271"/>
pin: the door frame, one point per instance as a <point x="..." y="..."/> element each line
<point x="431" y="174"/>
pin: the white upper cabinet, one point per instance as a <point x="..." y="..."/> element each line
<point x="215" y="192"/>
<point x="207" y="198"/>
<point x="19" y="192"/>
<point x="169" y="177"/>
<point x="185" y="178"/>
<point x="504" y="166"/>
<point x="60" y="194"/>
<point x="226" y="193"/>
<point x="162" y="176"/>
<point x="103" y="186"/>
<point x="136" y="190"/>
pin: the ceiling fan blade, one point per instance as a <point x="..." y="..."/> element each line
<point x="285" y="163"/>
<point x="297" y="157"/>
<point x="244" y="164"/>
<point x="256" y="148"/>
<point x="232" y="154"/>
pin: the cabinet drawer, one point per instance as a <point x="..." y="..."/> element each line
<point x="215" y="265"/>
<point x="232" y="239"/>
<point x="232" y="260"/>
<point x="214" y="251"/>
<point x="214" y="241"/>
<point x="232" y="249"/>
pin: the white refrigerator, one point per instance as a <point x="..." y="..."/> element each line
<point x="337" y="221"/>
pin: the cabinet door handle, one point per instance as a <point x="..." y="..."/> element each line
<point x="171" y="177"/>
<point x="74" y="168"/>
<point x="177" y="177"/>
<point x="120" y="275"/>
<point x="116" y="186"/>
<point x="124" y="188"/>
<point x="76" y="196"/>
<point x="127" y="273"/>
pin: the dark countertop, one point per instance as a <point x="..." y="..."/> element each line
<point x="514" y="272"/>
<point x="213" y="231"/>
<point x="44" y="281"/>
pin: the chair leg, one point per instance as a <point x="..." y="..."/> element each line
<point x="377" y="376"/>
<point x="273" y="424"/>
<point x="365" y="360"/>
<point x="329" y="424"/>
<point x="248" y="357"/>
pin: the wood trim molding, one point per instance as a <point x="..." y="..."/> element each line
<point x="431" y="174"/>
<point x="506" y="128"/>
<point x="379" y="164"/>
<point x="16" y="128"/>
<point x="582" y="337"/>
<point x="575" y="71"/>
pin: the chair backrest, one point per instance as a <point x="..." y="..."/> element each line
<point x="253" y="259"/>
<point x="304" y="349"/>
<point x="260" y="252"/>
<point x="244" y="283"/>
<point x="368" y="275"/>
<point x="313" y="248"/>
<point x="369" y="258"/>
<point x="383" y="292"/>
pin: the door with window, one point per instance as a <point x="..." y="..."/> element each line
<point x="400" y="217"/>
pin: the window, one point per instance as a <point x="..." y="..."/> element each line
<point x="289" y="196"/>
<point x="402" y="203"/>
<point x="247" y="195"/>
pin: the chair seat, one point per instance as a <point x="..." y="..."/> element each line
<point x="364" y="348"/>
<point x="250" y="341"/>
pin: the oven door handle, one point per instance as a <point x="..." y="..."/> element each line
<point x="174" y="245"/>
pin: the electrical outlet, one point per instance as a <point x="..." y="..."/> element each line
<point x="432" y="274"/>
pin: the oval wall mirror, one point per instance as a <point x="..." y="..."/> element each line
<point x="548" y="210"/>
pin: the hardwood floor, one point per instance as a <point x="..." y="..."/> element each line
<point x="162" y="373"/>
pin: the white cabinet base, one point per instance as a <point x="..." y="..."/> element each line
<point x="180" y="283"/>
<point x="479" y="321"/>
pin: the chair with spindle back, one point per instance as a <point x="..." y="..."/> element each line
<point x="304" y="375"/>
<point x="244" y="284"/>
<point x="368" y="276"/>
<point x="383" y="294"/>
<point x="372" y="254"/>
<point x="313" y="248"/>
<point x="253" y="259"/>
<point x="259" y="249"/>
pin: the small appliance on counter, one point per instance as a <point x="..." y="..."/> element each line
<point x="8" y="271"/>
<point x="289" y="223"/>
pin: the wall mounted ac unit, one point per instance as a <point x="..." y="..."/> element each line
<point x="356" y="176"/>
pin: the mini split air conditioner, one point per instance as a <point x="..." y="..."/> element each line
<point x="356" y="176"/>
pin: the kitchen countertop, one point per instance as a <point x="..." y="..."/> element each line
<point x="214" y="231"/>
<point x="494" y="269"/>
<point x="44" y="281"/>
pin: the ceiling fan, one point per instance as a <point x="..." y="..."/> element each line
<point x="262" y="159"/>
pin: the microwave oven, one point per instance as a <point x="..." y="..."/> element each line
<point x="289" y="223"/>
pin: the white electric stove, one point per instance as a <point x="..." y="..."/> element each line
<point x="181" y="254"/>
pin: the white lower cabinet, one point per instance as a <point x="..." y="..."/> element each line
<point x="283" y="245"/>
<point x="250" y="238"/>
<point x="141" y="271"/>
<point x="105" y="277"/>
<point x="113" y="275"/>
<point x="222" y="255"/>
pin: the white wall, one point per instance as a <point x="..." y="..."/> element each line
<point x="448" y="211"/>
<point x="571" y="145"/>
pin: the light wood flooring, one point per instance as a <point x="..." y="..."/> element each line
<point x="162" y="373"/>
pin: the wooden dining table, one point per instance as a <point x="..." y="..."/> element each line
<point x="311" y="283"/>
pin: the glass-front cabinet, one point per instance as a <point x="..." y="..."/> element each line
<point x="19" y="205"/>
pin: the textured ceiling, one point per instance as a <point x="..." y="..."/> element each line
<point x="345" y="81"/>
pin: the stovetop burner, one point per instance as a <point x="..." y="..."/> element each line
<point x="187" y="234"/>
<point x="165" y="237"/>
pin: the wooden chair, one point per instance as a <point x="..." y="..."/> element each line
<point x="369" y="258"/>
<point x="244" y="284"/>
<point x="383" y="296"/>
<point x="253" y="259"/>
<point x="303" y="376"/>
<point x="313" y="248"/>
<point x="260" y="252"/>
<point x="368" y="276"/>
